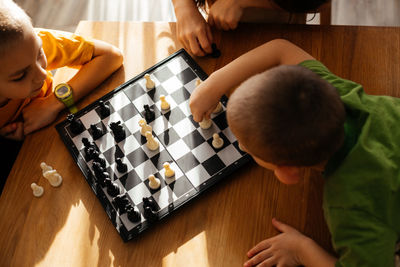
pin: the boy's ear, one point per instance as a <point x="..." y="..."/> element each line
<point x="287" y="174"/>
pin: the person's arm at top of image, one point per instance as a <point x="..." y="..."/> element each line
<point x="193" y="30"/>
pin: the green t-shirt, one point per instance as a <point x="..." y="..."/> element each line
<point x="362" y="187"/>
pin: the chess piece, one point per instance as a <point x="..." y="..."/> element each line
<point x="133" y="214"/>
<point x="217" y="141"/>
<point x="121" y="167"/>
<point x="149" y="202"/>
<point x="45" y="167"/>
<point x="144" y="127"/>
<point x="168" y="171"/>
<point x="53" y="177"/>
<point x="154" y="183"/>
<point x="96" y="131"/>
<point x="37" y="190"/>
<point x="104" y="109"/>
<point x="121" y="202"/>
<point x="118" y="130"/>
<point x="164" y="104"/>
<point x="205" y="123"/>
<point x="151" y="143"/>
<point x="218" y="108"/>
<point x="149" y="82"/>
<point x="76" y="125"/>
<point x="215" y="51"/>
<point x="113" y="189"/>
<point x="148" y="113"/>
<point x="96" y="158"/>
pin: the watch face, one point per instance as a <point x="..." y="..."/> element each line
<point x="62" y="91"/>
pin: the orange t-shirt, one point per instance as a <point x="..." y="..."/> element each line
<point x="61" y="49"/>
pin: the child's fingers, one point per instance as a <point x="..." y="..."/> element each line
<point x="264" y="258"/>
<point x="8" y="129"/>
<point x="205" y="42"/>
<point x="259" y="247"/>
<point x="281" y="227"/>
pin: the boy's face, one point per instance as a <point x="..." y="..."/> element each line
<point x="23" y="67"/>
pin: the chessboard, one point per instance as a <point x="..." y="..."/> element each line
<point x="117" y="167"/>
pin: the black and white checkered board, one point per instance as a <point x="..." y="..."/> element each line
<point x="183" y="143"/>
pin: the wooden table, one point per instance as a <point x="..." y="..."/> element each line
<point x="68" y="227"/>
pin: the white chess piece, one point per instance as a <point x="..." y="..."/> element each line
<point x="154" y="182"/>
<point x="37" y="190"/>
<point x="205" y="123"/>
<point x="217" y="141"/>
<point x="45" y="167"/>
<point x="218" y="108"/>
<point x="152" y="143"/>
<point x="53" y="177"/>
<point x="149" y="82"/>
<point x="198" y="82"/>
<point x="144" y="127"/>
<point x="164" y="103"/>
<point x="168" y="171"/>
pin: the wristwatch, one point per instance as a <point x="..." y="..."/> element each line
<point x="63" y="92"/>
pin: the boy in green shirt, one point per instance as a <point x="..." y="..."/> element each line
<point x="290" y="113"/>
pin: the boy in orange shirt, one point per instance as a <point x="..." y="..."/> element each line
<point x="27" y="101"/>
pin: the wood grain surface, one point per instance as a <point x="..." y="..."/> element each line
<point x="68" y="227"/>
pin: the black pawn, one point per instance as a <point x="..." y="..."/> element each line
<point x="96" y="131"/>
<point x="76" y="125"/>
<point x="121" y="167"/>
<point x="133" y="214"/>
<point x="149" y="202"/>
<point x="104" y="109"/>
<point x="148" y="113"/>
<point x="215" y="51"/>
<point x="96" y="158"/>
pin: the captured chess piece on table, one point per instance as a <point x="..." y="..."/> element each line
<point x="51" y="175"/>
<point x="37" y="190"/>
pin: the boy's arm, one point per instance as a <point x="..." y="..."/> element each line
<point x="105" y="60"/>
<point x="271" y="54"/>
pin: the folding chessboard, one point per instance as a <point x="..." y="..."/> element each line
<point x="186" y="146"/>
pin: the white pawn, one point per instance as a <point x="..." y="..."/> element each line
<point x="198" y="82"/>
<point x="205" y="123"/>
<point x="152" y="143"/>
<point x="144" y="127"/>
<point x="168" y="171"/>
<point x="45" y="167"/>
<point x="154" y="182"/>
<point x="218" y="108"/>
<point x="53" y="177"/>
<point x="149" y="82"/>
<point x="37" y="190"/>
<point x="164" y="103"/>
<point x="217" y="141"/>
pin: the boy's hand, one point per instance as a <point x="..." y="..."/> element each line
<point x="225" y="14"/>
<point x="281" y="250"/>
<point x="14" y="131"/>
<point x="194" y="32"/>
<point x="40" y="112"/>
<point x="203" y="100"/>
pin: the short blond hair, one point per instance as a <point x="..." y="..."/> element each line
<point x="12" y="21"/>
<point x="288" y="116"/>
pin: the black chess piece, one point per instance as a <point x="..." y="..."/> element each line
<point x="121" y="167"/>
<point x="121" y="202"/>
<point x="133" y="214"/>
<point x="96" y="131"/>
<point x="76" y="125"/>
<point x="149" y="214"/>
<point x="148" y="113"/>
<point x="118" y="130"/>
<point x="216" y="53"/>
<point x="149" y="202"/>
<point x="104" y="109"/>
<point x="113" y="189"/>
<point x="96" y="158"/>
